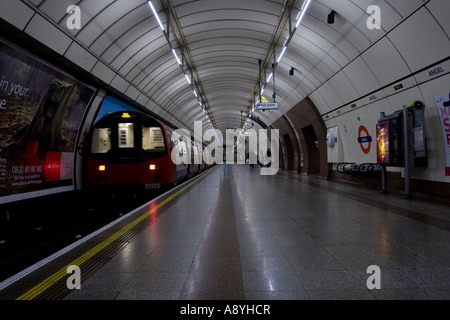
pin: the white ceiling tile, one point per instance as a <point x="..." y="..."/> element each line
<point x="56" y="9"/>
<point x="440" y="14"/>
<point x="361" y="77"/>
<point x="405" y="8"/>
<point x="48" y="34"/>
<point x="428" y="45"/>
<point x="81" y="57"/>
<point x="8" y="12"/>
<point x="375" y="58"/>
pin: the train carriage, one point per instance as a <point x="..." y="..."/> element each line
<point x="133" y="148"/>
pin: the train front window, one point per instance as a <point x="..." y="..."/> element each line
<point x="101" y="140"/>
<point x="153" y="139"/>
<point x="126" y="135"/>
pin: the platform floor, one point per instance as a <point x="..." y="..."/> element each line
<point x="235" y="234"/>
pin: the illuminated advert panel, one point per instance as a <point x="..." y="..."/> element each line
<point x="40" y="114"/>
<point x="383" y="143"/>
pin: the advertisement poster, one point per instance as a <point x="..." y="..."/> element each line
<point x="40" y="114"/>
<point x="383" y="143"/>
<point x="443" y="106"/>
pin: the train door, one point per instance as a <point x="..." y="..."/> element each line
<point x="127" y="151"/>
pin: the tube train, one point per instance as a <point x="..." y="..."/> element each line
<point x="134" y="149"/>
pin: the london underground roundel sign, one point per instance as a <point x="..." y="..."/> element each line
<point x="364" y="139"/>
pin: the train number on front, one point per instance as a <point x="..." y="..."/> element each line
<point x="152" y="186"/>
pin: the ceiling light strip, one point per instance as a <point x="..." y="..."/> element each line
<point x="187" y="78"/>
<point x="156" y="14"/>
<point x="281" y="55"/>
<point x="302" y="12"/>
<point x="193" y="79"/>
<point x="176" y="56"/>
<point x="299" y="18"/>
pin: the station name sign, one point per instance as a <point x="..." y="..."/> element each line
<point x="267" y="106"/>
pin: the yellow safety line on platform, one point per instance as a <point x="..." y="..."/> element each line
<point x="47" y="283"/>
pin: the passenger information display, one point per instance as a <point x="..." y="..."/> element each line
<point x="40" y="114"/>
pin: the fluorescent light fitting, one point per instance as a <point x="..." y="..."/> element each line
<point x="281" y="55"/>
<point x="302" y="12"/>
<point x="156" y="15"/>
<point x="195" y="93"/>
<point x="187" y="78"/>
<point x="270" y="77"/>
<point x="176" y="56"/>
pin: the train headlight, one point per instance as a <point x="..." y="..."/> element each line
<point x="153" y="167"/>
<point x="102" y="168"/>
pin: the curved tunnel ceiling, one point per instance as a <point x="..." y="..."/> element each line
<point x="225" y="39"/>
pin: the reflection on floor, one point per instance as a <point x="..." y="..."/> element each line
<point x="239" y="235"/>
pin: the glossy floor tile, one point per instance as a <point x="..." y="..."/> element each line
<point x="238" y="235"/>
